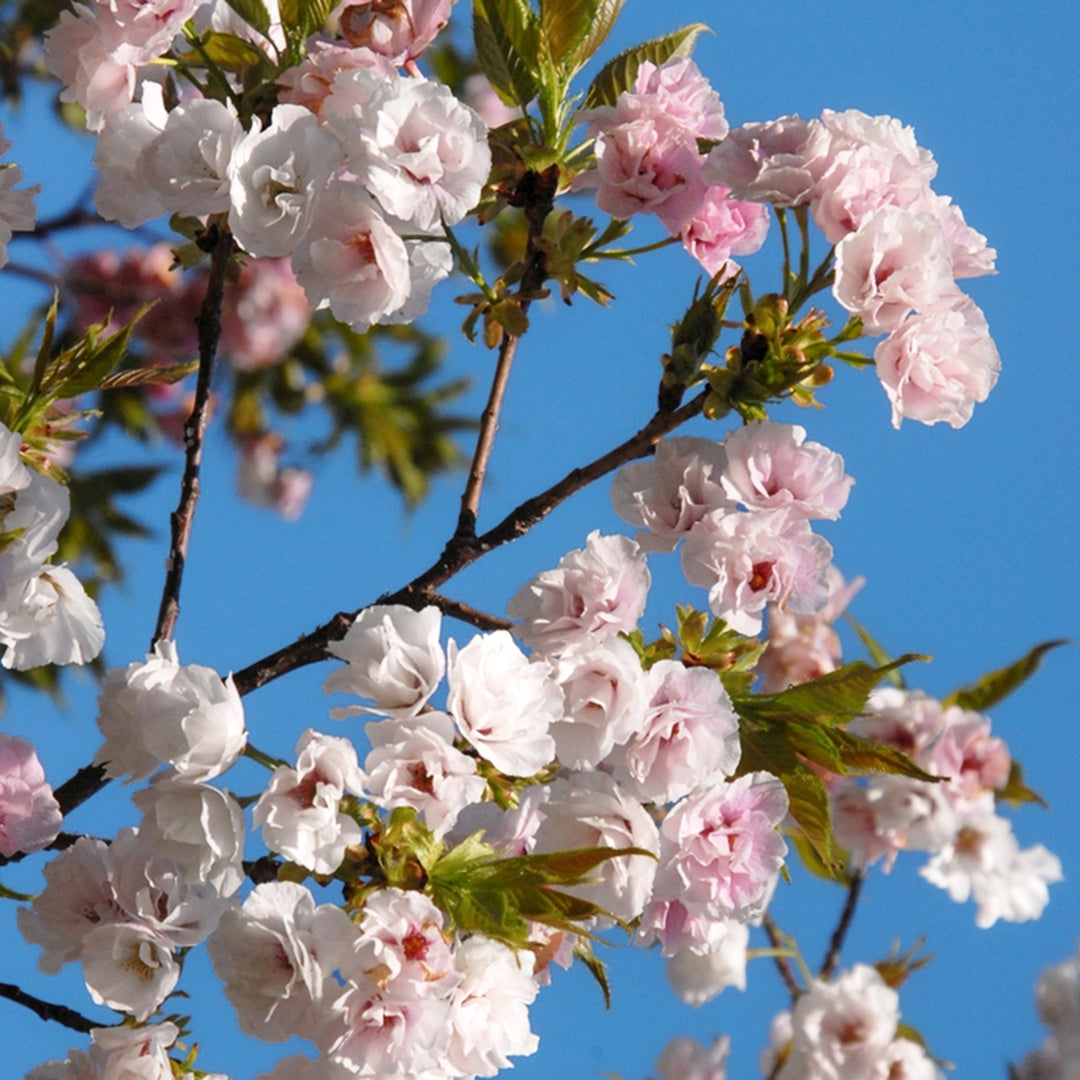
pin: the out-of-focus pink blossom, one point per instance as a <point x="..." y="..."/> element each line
<point x="937" y="364"/>
<point x="480" y="96"/>
<point x="595" y="593"/>
<point x="16" y="207"/>
<point x="29" y="813"/>
<point x="262" y="481"/>
<point x="399" y="30"/>
<point x="686" y="1059"/>
<point x="264" y="315"/>
<point x="697" y="978"/>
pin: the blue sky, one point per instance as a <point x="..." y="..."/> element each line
<point x="966" y="538"/>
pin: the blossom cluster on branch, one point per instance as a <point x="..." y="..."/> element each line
<point x="398" y="898"/>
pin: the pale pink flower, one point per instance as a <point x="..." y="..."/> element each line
<point x="188" y="163"/>
<point x="749" y="560"/>
<point x="676" y="89"/>
<point x="310" y="82"/>
<point x="265" y="314"/>
<point x="771" y="465"/>
<point x="489" y="1010"/>
<point x="804" y="647"/>
<point x="689" y="738"/>
<point x="985" y="863"/>
<point x="122" y="193"/>
<point x="723" y="226"/>
<point x="29" y="813"/>
<point x="969" y="252"/>
<point x="895" y="263"/>
<point x="353" y="261"/>
<point x="587" y="810"/>
<point x="604" y="691"/>
<point x="14" y="475"/>
<point x="594" y="594"/>
<point x="908" y="1060"/>
<point x="699" y="977"/>
<point x="402" y="946"/>
<point x="16" y="207"/>
<point x="276" y="177"/>
<point x="393" y="656"/>
<point x="503" y="704"/>
<point x="672" y="492"/>
<point x="937" y="364"/>
<point x="720" y="853"/>
<point x="128" y="968"/>
<point x="276" y="955"/>
<point x="413" y="762"/>
<point x="300" y="812"/>
<point x="843" y="1030"/>
<point x="778" y="162"/>
<point x="126" y="1053"/>
<point x="159" y="713"/>
<point x="199" y="827"/>
<point x="419" y="151"/>
<point x="399" y="30"/>
<point x="686" y="1059"/>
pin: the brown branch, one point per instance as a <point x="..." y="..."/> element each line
<point x="311" y="648"/>
<point x="535" y="195"/>
<point x="783" y="966"/>
<point x="485" y="440"/>
<point x="466" y="614"/>
<point x="209" y="324"/>
<point x="61" y="1014"/>
<point x="836" y="942"/>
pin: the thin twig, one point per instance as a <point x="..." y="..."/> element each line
<point x="311" y="648"/>
<point x="61" y="1014"/>
<point x="535" y="195"/>
<point x="836" y="942"/>
<point x="485" y="440"/>
<point x="787" y="976"/>
<point x="466" y="614"/>
<point x="209" y="324"/>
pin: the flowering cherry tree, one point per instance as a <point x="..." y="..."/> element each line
<point x="488" y="797"/>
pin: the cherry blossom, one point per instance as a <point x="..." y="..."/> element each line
<point x="29" y="813"/>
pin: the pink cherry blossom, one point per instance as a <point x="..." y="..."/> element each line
<point x="771" y="465"/>
<point x="29" y="813"/>
<point x="686" y="1059"/>
<point x="595" y="593"/>
<point x="723" y="226"/>
<point x="778" y="162"/>
<point x="895" y="263"/>
<point x="698" y="978"/>
<point x="938" y="364"/>
<point x="749" y="560"/>
<point x="16" y="207"/>
<point x="399" y="30"/>
<point x="672" y="492"/>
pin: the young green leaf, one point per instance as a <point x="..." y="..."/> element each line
<point x="508" y="47"/>
<point x="254" y="13"/>
<point x="618" y="75"/>
<point x="998" y="685"/>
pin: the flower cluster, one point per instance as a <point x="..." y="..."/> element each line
<point x="46" y="616"/>
<point x="744" y="511"/>
<point x="973" y="852"/>
<point x="846" y="1030"/>
<point x="355" y="157"/>
<point x="649" y="161"/>
<point x="900" y="248"/>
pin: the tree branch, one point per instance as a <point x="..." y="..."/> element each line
<point x="209" y="324"/>
<point x="466" y="614"/>
<point x="311" y="648"/>
<point x="836" y="942"/>
<point x="787" y="976"/>
<point x="61" y="1014"/>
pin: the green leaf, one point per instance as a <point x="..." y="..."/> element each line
<point x="229" y="52"/>
<point x="604" y="16"/>
<point x="877" y="652"/>
<point x="303" y="17"/>
<point x="254" y="13"/>
<point x="152" y="376"/>
<point x="618" y="75"/>
<point x="833" y="699"/>
<point x="596" y="968"/>
<point x="998" y="685"/>
<point x="1016" y="792"/>
<point x="509" y="48"/>
<point x="574" y="29"/>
